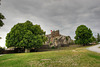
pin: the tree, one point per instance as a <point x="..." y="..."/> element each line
<point x="1" y="18"/>
<point x="83" y="35"/>
<point x="93" y="39"/>
<point x="98" y="37"/>
<point x="25" y="35"/>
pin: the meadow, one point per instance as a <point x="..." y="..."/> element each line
<point x="62" y="57"/>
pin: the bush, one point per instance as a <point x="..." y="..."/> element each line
<point x="50" y="43"/>
<point x="1" y="50"/>
<point x="53" y="47"/>
<point x="56" y="38"/>
<point x="66" y="37"/>
<point x="72" y="42"/>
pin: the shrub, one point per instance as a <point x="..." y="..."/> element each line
<point x="72" y="42"/>
<point x="56" y="38"/>
<point x="1" y="50"/>
<point x="53" y="47"/>
<point x="50" y="43"/>
<point x="66" y="37"/>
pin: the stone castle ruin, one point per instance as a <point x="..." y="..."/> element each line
<point x="55" y="33"/>
<point x="55" y="39"/>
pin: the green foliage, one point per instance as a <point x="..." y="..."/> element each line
<point x="1" y="18"/>
<point x="72" y="42"/>
<point x="56" y="38"/>
<point x="53" y="47"/>
<point x="50" y="43"/>
<point x="93" y="39"/>
<point x="25" y="35"/>
<point x="98" y="37"/>
<point x="1" y="50"/>
<point x="66" y="37"/>
<point x="83" y="35"/>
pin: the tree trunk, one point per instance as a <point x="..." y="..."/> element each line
<point x="27" y="50"/>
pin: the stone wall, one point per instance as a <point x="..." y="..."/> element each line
<point x="55" y="33"/>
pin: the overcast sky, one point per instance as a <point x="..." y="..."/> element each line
<point x="65" y="15"/>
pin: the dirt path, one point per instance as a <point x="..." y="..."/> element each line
<point x="95" y="48"/>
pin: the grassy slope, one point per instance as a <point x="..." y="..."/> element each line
<point x="64" y="57"/>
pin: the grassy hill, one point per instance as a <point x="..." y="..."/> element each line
<point x="63" y="57"/>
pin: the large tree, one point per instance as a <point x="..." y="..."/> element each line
<point x="25" y="35"/>
<point x="83" y="35"/>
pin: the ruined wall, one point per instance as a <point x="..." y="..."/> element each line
<point x="55" y="39"/>
<point x="55" y="33"/>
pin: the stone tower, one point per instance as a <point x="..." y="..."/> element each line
<point x="55" y="33"/>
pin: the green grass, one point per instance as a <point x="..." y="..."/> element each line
<point x="62" y="57"/>
<point x="99" y="47"/>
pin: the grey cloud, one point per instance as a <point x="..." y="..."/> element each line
<point x="64" y="15"/>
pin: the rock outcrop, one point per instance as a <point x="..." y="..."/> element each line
<point x="57" y="40"/>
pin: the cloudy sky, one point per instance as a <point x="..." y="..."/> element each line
<point x="64" y="15"/>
